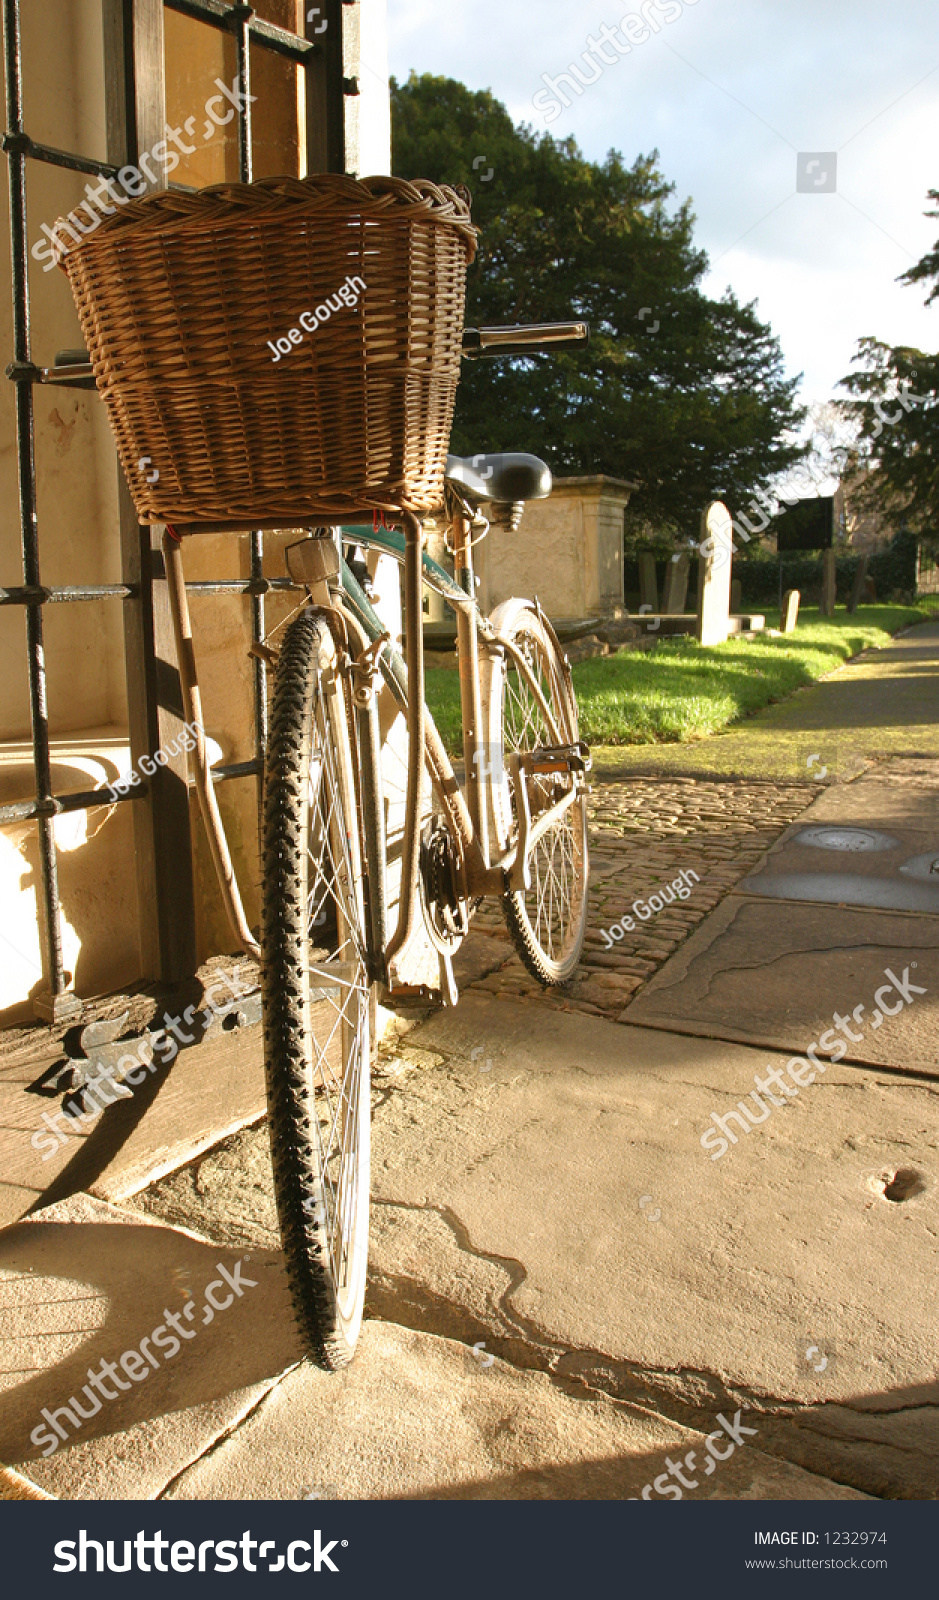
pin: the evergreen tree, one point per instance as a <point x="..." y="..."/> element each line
<point x="681" y="394"/>
<point x="896" y="406"/>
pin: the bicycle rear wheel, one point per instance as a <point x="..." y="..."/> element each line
<point x="548" y="921"/>
<point x="316" y="993"/>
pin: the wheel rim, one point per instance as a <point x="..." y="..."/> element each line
<point x="552" y="905"/>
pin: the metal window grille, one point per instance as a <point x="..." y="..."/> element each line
<point x="135" y="95"/>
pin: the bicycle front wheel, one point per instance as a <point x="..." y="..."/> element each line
<point x="526" y="713"/>
<point x="316" y="993"/>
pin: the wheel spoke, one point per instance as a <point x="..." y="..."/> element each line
<point x="553" y="907"/>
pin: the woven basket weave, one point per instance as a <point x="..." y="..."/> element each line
<point x="178" y="296"/>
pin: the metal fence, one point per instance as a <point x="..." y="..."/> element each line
<point x="135" y="95"/>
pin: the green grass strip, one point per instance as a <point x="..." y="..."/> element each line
<point x="680" y="692"/>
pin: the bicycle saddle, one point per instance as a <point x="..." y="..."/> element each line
<point x="507" y="478"/>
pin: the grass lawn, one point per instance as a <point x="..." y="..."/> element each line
<point x="679" y="692"/>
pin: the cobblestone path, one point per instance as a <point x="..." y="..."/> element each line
<point x="643" y="833"/>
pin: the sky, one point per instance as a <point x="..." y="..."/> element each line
<point x="732" y="93"/>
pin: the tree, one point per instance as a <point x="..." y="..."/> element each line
<point x="681" y="394"/>
<point x="896" y="413"/>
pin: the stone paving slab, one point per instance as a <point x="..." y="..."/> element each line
<point x="539" y="1184"/>
<point x="84" y="1283"/>
<point x="417" y="1416"/>
<point x="776" y="972"/>
<point x="214" y="1085"/>
<point x="549" y="1171"/>
<point x="423" y="1418"/>
<point x="871" y="842"/>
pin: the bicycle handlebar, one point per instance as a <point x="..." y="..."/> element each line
<point x="72" y="368"/>
<point x="525" y="339"/>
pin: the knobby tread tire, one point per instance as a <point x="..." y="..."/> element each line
<point x="306" y="650"/>
<point x="529" y="950"/>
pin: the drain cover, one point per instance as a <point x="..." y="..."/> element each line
<point x="851" y="839"/>
<point x="923" y="867"/>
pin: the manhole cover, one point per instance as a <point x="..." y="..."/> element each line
<point x="923" y="867"/>
<point x="851" y="839"/>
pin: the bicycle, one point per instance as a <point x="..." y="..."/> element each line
<point x="518" y="832"/>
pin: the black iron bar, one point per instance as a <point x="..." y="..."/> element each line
<point x="260" y="666"/>
<point x="241" y="25"/>
<point x="77" y="377"/>
<point x="89" y="799"/>
<point x="237" y="769"/>
<point x="50" y="928"/>
<point x="254" y="586"/>
<point x="241" y="16"/>
<point x="57" y="805"/>
<point x="40" y="594"/>
<point x="21" y="144"/>
<point x="268" y="34"/>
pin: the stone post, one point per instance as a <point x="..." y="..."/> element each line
<point x="648" y="584"/>
<point x="790" y="611"/>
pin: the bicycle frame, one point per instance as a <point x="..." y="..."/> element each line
<point x="481" y="875"/>
<point x="468" y="814"/>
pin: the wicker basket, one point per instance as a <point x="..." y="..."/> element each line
<point x="183" y="299"/>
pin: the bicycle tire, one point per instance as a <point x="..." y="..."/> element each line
<point x="316" y="993"/>
<point x="547" y="922"/>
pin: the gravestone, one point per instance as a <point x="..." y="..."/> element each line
<point x="829" y="579"/>
<point x="714" y="574"/>
<point x="736" y="595"/>
<point x="676" y="584"/>
<point x="790" y="611"/>
<point x="648" y="583"/>
<point x="859" y="584"/>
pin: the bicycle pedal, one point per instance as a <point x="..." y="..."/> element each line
<point x="558" y="758"/>
<point x="409" y="995"/>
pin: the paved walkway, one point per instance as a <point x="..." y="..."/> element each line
<point x="573" y="1287"/>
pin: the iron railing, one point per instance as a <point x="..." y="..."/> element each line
<point x="134" y="72"/>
